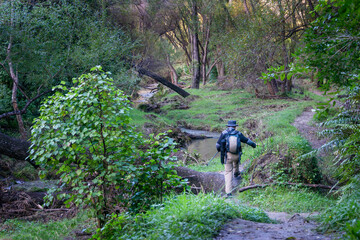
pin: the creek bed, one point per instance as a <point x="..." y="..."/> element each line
<point x="205" y="146"/>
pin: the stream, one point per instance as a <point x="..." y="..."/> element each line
<point x="145" y="93"/>
<point x="205" y="147"/>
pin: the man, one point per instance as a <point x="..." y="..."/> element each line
<point x="229" y="144"/>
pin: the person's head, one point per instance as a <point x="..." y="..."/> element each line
<point x="232" y="123"/>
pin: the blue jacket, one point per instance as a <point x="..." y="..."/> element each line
<point x="242" y="138"/>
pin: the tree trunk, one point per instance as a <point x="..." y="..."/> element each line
<point x="220" y="65"/>
<point x="15" y="104"/>
<point x="174" y="76"/>
<point x="274" y="86"/>
<point x="284" y="48"/>
<point x="195" y="48"/>
<point x="204" y="58"/>
<point x="270" y="88"/>
<point x="15" y="78"/>
<point x="246" y="9"/>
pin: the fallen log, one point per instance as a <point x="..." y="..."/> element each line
<point x="162" y="80"/>
<point x="202" y="181"/>
<point x="49" y="210"/>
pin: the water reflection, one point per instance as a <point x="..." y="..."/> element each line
<point x="206" y="147"/>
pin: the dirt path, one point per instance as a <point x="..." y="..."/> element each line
<point x="295" y="226"/>
<point x="308" y="130"/>
<point x="290" y="227"/>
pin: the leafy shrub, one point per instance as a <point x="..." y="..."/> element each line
<point x="181" y="217"/>
<point x="344" y="132"/>
<point x="346" y="211"/>
<point x="353" y="230"/>
<point x="85" y="135"/>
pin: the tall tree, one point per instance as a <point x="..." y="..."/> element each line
<point x="195" y="45"/>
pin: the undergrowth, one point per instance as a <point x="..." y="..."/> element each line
<point x="185" y="216"/>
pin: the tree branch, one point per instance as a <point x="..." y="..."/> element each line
<point x="8" y="114"/>
<point x="162" y="80"/>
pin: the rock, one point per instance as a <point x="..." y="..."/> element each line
<point x="34" y="186"/>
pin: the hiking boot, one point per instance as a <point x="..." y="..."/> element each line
<point x="237" y="174"/>
<point x="229" y="195"/>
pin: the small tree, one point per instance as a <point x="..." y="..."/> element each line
<point x="84" y="134"/>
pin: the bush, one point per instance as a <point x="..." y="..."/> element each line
<point x="347" y="211"/>
<point x="86" y="136"/>
<point x="353" y="230"/>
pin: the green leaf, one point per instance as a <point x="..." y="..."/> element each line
<point x="282" y="76"/>
<point x="289" y="76"/>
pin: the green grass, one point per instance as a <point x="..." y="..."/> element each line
<point x="52" y="230"/>
<point x="138" y="118"/>
<point x="286" y="199"/>
<point x="185" y="216"/>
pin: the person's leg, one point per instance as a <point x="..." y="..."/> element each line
<point x="236" y="168"/>
<point x="229" y="166"/>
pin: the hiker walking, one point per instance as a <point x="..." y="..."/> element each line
<point x="229" y="144"/>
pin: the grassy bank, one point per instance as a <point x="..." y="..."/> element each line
<point x="287" y="199"/>
<point x="54" y="230"/>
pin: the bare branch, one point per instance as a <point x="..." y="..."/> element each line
<point x="8" y="114"/>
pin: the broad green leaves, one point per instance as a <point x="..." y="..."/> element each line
<point x="84" y="135"/>
<point x="276" y="73"/>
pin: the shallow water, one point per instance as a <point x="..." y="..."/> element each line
<point x="201" y="133"/>
<point x="205" y="147"/>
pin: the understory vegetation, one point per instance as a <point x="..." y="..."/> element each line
<point x="180" y="217"/>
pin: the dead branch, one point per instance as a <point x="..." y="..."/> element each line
<point x="162" y="80"/>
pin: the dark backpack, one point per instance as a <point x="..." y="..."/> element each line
<point x="232" y="142"/>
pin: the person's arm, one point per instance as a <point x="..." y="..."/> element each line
<point x="218" y="143"/>
<point x="247" y="141"/>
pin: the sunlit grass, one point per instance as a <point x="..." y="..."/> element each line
<point x="52" y="230"/>
<point x="287" y="199"/>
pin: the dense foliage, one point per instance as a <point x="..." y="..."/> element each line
<point x="344" y="131"/>
<point x="332" y="42"/>
<point x="52" y="41"/>
<point x="332" y="49"/>
<point x="84" y="135"/>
